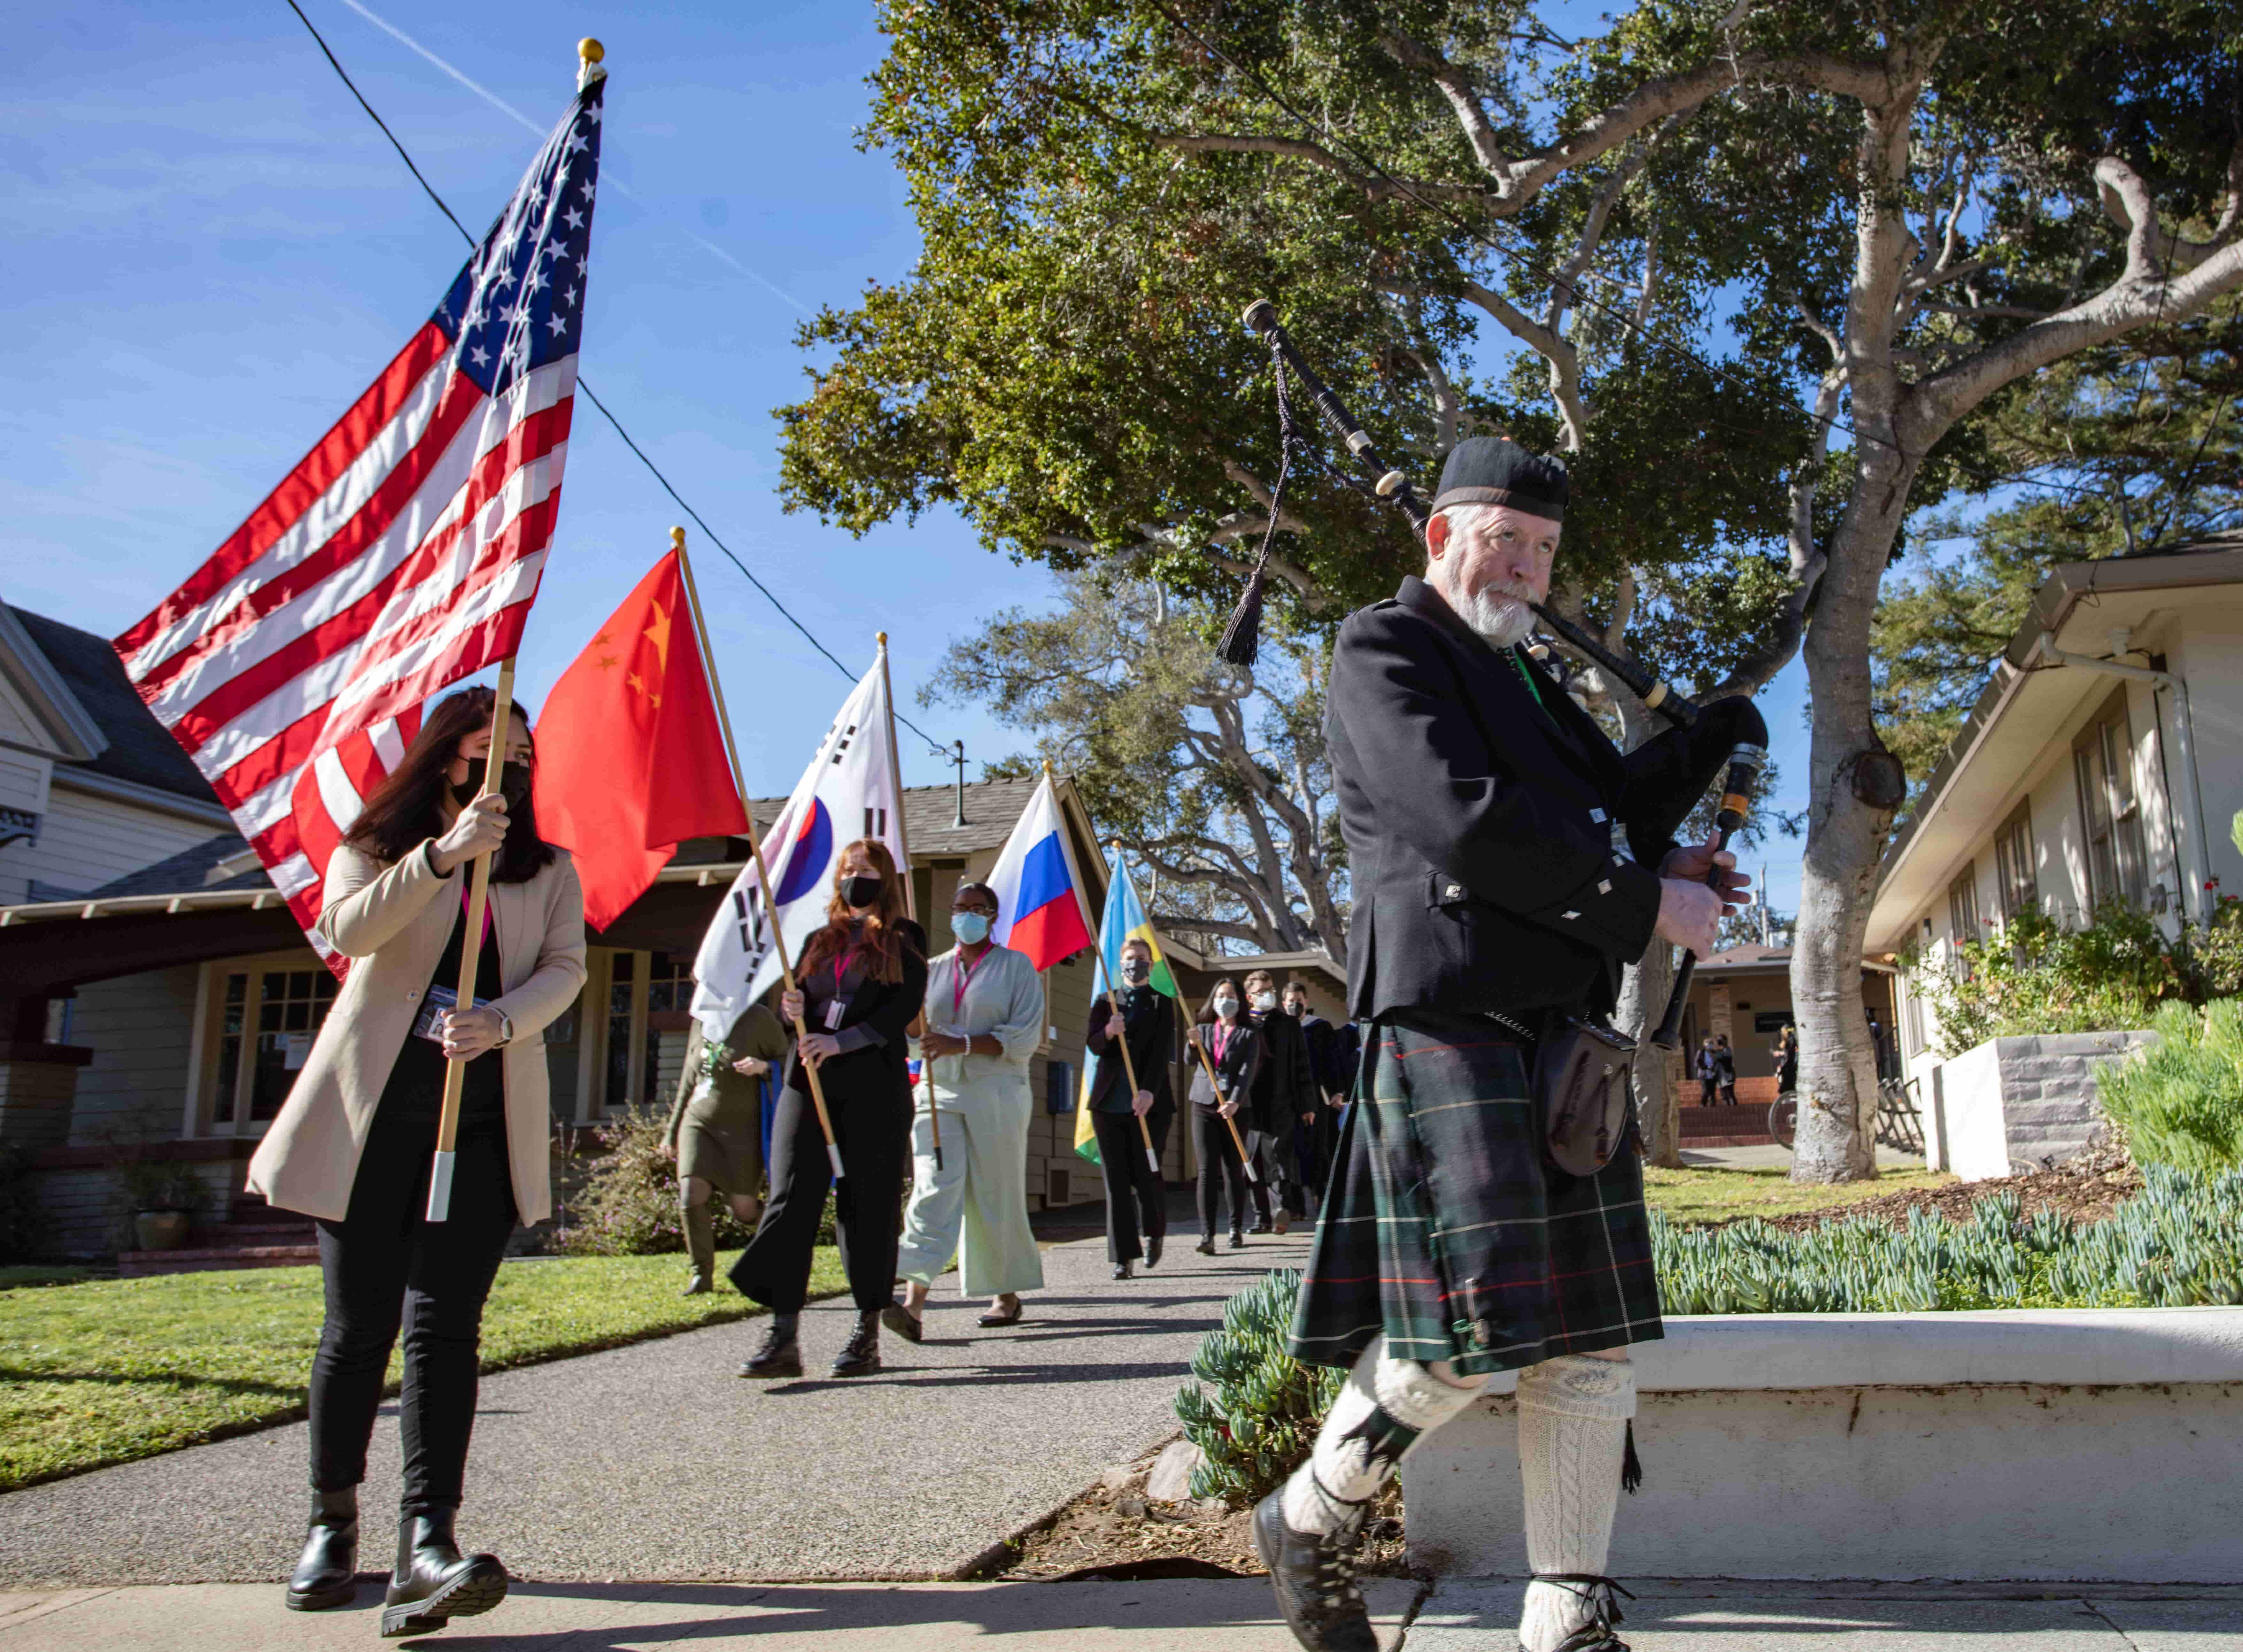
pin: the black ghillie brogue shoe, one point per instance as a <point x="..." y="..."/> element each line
<point x="1314" y="1579"/>
<point x="327" y="1573"/>
<point x="434" y="1582"/>
<point x="1596" y="1635"/>
<point x="860" y="1354"/>
<point x="778" y="1354"/>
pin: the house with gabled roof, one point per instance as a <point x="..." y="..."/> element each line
<point x="160" y="997"/>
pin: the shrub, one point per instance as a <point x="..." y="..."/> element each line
<point x="154" y="1185"/>
<point x="2180" y="1101"/>
<point x="627" y="1204"/>
<point x="2033" y="976"/>
<point x="1259" y="1421"/>
<point x="2173" y="1245"/>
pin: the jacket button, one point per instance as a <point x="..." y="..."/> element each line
<point x="414" y="994"/>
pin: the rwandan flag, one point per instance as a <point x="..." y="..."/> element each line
<point x="1125" y="920"/>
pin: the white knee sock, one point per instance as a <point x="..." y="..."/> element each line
<point x="1573" y="1425"/>
<point x="1385" y="1407"/>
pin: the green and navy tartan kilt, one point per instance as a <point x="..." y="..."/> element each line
<point x="1445" y="1228"/>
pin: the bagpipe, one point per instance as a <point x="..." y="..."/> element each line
<point x="1241" y="637"/>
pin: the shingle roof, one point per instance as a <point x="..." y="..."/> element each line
<point x="992" y="808"/>
<point x="185" y="872"/>
<point x="141" y="748"/>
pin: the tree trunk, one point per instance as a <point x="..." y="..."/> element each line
<point x="1643" y="992"/>
<point x="1846" y="837"/>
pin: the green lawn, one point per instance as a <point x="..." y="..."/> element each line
<point x="1718" y="1195"/>
<point x="109" y="1370"/>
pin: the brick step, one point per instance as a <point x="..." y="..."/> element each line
<point x="257" y="1232"/>
<point x="1762" y="1140"/>
<point x="195" y="1259"/>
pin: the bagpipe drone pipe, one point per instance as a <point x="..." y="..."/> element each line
<point x="1241" y="638"/>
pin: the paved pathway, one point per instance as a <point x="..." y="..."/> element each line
<point x="1205" y="1616"/>
<point x="655" y="1462"/>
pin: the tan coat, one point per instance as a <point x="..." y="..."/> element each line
<point x="395" y="921"/>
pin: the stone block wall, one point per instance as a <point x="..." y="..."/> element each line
<point x="2011" y="1104"/>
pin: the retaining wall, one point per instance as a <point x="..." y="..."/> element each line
<point x="2089" y="1444"/>
<point x="2011" y="1105"/>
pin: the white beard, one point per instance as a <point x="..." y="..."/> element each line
<point x="1503" y="621"/>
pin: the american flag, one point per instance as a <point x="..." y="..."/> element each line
<point x="401" y="555"/>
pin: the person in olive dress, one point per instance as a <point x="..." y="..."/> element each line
<point x="861" y="984"/>
<point x="716" y="1131"/>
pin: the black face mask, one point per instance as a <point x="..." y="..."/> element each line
<point x="513" y="785"/>
<point x="1136" y="972"/>
<point x="861" y="889"/>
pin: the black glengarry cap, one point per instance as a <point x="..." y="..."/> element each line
<point x="1495" y="470"/>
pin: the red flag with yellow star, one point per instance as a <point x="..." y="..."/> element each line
<point x="631" y="761"/>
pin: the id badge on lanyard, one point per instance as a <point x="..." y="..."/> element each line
<point x="837" y="1005"/>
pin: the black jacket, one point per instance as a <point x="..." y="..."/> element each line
<point x="1150" y="1020"/>
<point x="1480" y="820"/>
<point x="1322" y="1055"/>
<point x="1242" y="1056"/>
<point x="871" y="1033"/>
<point x="1284" y="1085"/>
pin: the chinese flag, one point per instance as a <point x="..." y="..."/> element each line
<point x="630" y="762"/>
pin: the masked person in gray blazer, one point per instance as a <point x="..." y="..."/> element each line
<point x="354" y="1142"/>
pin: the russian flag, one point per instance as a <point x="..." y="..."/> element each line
<point x="1040" y="894"/>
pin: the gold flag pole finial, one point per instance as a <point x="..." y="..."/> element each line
<point x="590" y="55"/>
<point x="881" y="637"/>
<point x="676" y="539"/>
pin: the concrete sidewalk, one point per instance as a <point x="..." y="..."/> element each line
<point x="1204" y="1615"/>
<point x="656" y="1462"/>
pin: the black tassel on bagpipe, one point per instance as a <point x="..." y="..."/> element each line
<point x="1631" y="1466"/>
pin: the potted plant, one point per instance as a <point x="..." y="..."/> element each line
<point x="165" y="1199"/>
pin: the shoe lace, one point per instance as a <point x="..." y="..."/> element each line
<point x="1595" y="1635"/>
<point x="1335" y="1583"/>
<point x="775" y="1338"/>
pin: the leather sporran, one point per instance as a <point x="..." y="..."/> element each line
<point x="1582" y="1092"/>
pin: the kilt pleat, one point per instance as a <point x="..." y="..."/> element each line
<point x="1445" y="1230"/>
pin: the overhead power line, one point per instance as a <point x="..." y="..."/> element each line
<point x="933" y="745"/>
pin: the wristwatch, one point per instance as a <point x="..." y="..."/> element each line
<point x="505" y="1029"/>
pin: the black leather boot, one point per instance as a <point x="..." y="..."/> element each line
<point x="778" y="1354"/>
<point x="1314" y="1580"/>
<point x="860" y="1354"/>
<point x="434" y="1582"/>
<point x="326" y="1572"/>
<point x="1153" y="1249"/>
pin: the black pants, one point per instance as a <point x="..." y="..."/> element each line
<point x="872" y="1126"/>
<point x="386" y="1265"/>
<point x="1136" y="1195"/>
<point x="1219" y="1167"/>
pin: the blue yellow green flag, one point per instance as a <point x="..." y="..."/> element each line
<point x="1125" y="920"/>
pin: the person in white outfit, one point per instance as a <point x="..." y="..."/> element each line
<point x="984" y="1019"/>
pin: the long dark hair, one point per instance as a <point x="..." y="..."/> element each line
<point x="883" y="937"/>
<point x="403" y="810"/>
<point x="1207" y="1015"/>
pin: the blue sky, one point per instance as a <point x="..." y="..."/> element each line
<point x="212" y="251"/>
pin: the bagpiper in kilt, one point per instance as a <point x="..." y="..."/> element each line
<point x="1507" y="861"/>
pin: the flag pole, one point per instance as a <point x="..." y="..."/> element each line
<point x="911" y="898"/>
<point x="1191" y="1038"/>
<point x="471" y="954"/>
<point x="755" y="840"/>
<point x="1113" y="1003"/>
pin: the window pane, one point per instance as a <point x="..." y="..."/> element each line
<point x="2117" y="766"/>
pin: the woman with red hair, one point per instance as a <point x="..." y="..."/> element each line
<point x="860" y="984"/>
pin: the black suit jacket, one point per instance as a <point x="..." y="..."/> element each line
<point x="1480" y="820"/>
<point x="1284" y="1087"/>
<point x="1150" y="1022"/>
<point x="875" y="1057"/>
